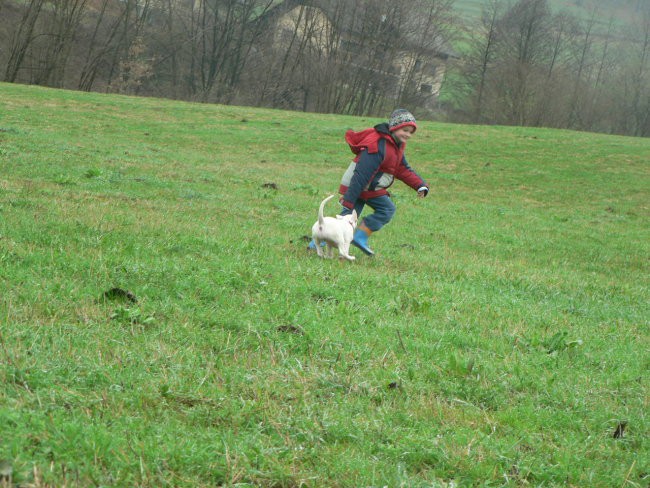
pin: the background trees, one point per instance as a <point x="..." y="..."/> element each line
<point x="521" y="63"/>
<point x="526" y="65"/>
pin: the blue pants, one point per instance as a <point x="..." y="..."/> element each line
<point x="383" y="207"/>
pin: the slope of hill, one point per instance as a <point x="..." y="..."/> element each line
<point x="624" y="11"/>
<point x="162" y="323"/>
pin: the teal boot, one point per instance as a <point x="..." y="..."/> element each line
<point x="360" y="239"/>
<point x="312" y="245"/>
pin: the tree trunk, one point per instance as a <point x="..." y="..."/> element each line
<point x="22" y="39"/>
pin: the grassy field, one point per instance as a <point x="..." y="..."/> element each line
<point x="623" y="12"/>
<point x="162" y="323"/>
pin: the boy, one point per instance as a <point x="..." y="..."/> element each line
<point x="379" y="160"/>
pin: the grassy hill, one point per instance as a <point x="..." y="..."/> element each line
<point x="162" y="323"/>
<point x="622" y="11"/>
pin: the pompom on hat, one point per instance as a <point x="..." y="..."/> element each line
<point x="401" y="118"/>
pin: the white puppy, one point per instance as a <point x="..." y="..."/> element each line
<point x="335" y="232"/>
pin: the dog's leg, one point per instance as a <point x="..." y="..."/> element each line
<point x="330" y="251"/>
<point x="319" y="248"/>
<point x="344" y="251"/>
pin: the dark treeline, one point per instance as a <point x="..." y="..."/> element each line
<point x="521" y="64"/>
<point x="528" y="66"/>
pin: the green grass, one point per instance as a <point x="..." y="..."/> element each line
<point x="498" y="338"/>
<point x="623" y="12"/>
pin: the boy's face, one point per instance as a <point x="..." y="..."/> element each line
<point x="403" y="134"/>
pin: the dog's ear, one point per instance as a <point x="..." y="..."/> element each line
<point x="354" y="215"/>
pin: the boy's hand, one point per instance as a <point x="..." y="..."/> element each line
<point x="423" y="191"/>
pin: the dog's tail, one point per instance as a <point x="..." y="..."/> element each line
<point x="320" y="210"/>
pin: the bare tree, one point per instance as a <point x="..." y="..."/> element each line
<point x="640" y="80"/>
<point x="552" y="100"/>
<point x="524" y="33"/>
<point x="312" y="66"/>
<point x="582" y="62"/>
<point x="331" y="73"/>
<point x="298" y="38"/>
<point x="172" y="45"/>
<point x="224" y="35"/>
<point x="428" y="29"/>
<point x="519" y="69"/>
<point x="60" y="28"/>
<point x="102" y="41"/>
<point x="597" y="112"/>
<point x="129" y="39"/>
<point x="480" y="58"/>
<point x="22" y="38"/>
<point x="351" y="57"/>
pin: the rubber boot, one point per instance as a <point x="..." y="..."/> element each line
<point x="312" y="245"/>
<point x="360" y="239"/>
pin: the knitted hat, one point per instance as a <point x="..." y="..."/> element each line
<point x="401" y="118"/>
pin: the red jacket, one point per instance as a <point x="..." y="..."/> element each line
<point x="379" y="159"/>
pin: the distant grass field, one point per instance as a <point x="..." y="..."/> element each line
<point x="623" y="12"/>
<point x="162" y="323"/>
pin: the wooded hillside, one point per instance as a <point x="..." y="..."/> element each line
<point x="526" y="63"/>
